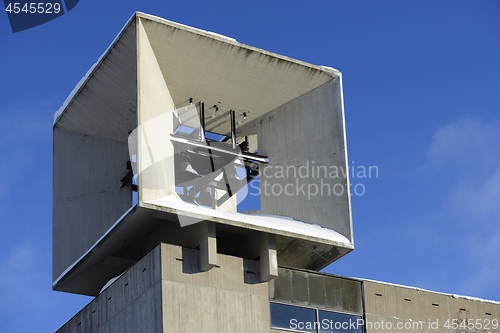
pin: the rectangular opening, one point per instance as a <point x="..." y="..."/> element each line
<point x="293" y="318"/>
<point x="209" y="171"/>
<point x="215" y="136"/>
<point x="301" y="319"/>
<point x="331" y="322"/>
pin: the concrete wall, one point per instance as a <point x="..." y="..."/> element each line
<point x="87" y="195"/>
<point x="90" y="154"/>
<point x="155" y="112"/>
<point x="299" y="137"/>
<point x="225" y="299"/>
<point x="131" y="304"/>
<point x="166" y="292"/>
<point x="423" y="311"/>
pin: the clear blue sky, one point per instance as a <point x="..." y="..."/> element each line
<point x="422" y="103"/>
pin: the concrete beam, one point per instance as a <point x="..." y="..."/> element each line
<point x="208" y="247"/>
<point x="268" y="257"/>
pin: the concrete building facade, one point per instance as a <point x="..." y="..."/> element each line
<point x="167" y="292"/>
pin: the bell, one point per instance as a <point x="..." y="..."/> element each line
<point x="205" y="198"/>
<point x="184" y="171"/>
<point x="244" y="146"/>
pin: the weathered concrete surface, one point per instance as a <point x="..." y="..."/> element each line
<point x="131" y="304"/>
<point x="425" y="311"/>
<point x="87" y="197"/>
<point x="166" y="292"/>
<point x="90" y="152"/>
<point x="305" y="142"/>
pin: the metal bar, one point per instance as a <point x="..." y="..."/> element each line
<point x="202" y="121"/>
<point x="247" y="169"/>
<point x="226" y="180"/>
<point x="233" y="128"/>
<point x="246" y="156"/>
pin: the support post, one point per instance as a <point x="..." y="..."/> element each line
<point x="233" y="128"/>
<point x="202" y="121"/>
<point x="208" y="247"/>
<point x="268" y="257"/>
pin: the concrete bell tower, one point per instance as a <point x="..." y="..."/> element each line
<point x="153" y="151"/>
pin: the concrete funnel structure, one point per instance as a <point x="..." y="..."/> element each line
<point x="161" y="138"/>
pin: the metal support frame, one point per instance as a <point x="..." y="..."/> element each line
<point x="204" y="146"/>
<point x="233" y="128"/>
<point x="202" y="121"/>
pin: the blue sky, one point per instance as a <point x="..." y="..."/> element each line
<point x="422" y="103"/>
